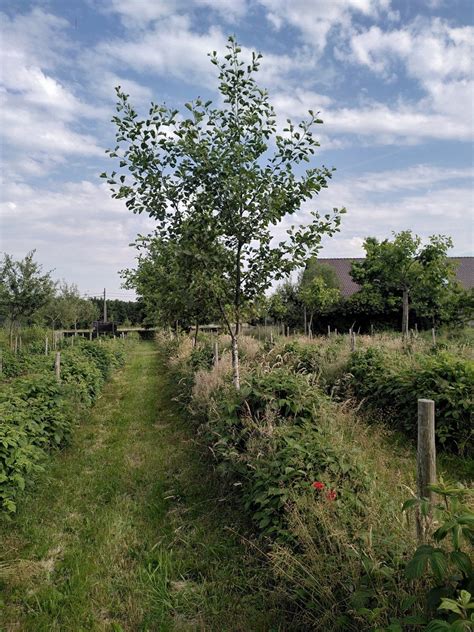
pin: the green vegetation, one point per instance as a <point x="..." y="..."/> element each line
<point x="124" y="533"/>
<point x="37" y="413"/>
<point x="219" y="179"/>
<point x="324" y="489"/>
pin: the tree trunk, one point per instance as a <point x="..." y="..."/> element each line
<point x="235" y="362"/>
<point x="305" y="322"/>
<point x="405" y="315"/>
<point x="310" y="324"/>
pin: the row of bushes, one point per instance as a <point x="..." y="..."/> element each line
<point x="322" y="492"/>
<point x="389" y="379"/>
<point x="324" y="489"/>
<point x="37" y="413"/>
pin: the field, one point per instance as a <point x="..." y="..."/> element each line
<point x="173" y="502"/>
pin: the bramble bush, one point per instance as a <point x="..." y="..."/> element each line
<point x="37" y="414"/>
<point x="321" y="489"/>
<point x="394" y="384"/>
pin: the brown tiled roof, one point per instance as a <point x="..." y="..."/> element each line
<point x="342" y="267"/>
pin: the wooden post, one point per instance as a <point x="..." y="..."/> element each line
<point x="353" y="341"/>
<point x="329" y="331"/>
<point x="433" y="336"/>
<point x="426" y="458"/>
<point x="46" y="345"/>
<point x="335" y="332"/>
<point x="57" y="365"/>
<point x="271" y="337"/>
<point x="90" y="335"/>
<point x="216" y="353"/>
<point x="371" y="329"/>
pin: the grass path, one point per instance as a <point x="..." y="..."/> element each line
<point x="126" y="529"/>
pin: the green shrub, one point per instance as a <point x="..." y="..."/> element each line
<point x="37" y="413"/>
<point x="394" y="384"/>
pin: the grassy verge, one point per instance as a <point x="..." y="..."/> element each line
<point x="128" y="530"/>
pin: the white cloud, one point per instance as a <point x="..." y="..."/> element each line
<point x="140" y="13"/>
<point x="39" y="113"/>
<point x="407" y="123"/>
<point x="315" y="20"/>
<point x="77" y="228"/>
<point x="169" y="48"/>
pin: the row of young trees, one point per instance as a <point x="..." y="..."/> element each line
<point x="217" y="180"/>
<point x="28" y="295"/>
<point x="397" y="277"/>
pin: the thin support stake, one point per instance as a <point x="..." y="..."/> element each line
<point x="57" y="365"/>
<point x="426" y="459"/>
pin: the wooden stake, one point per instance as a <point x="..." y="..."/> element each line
<point x="57" y="365"/>
<point x="371" y="330"/>
<point x="426" y="459"/>
<point x="433" y="336"/>
<point x="329" y="330"/>
<point x="46" y="345"/>
<point x="271" y="337"/>
<point x="353" y="341"/>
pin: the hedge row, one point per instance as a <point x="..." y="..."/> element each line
<point x="37" y="413"/>
<point x="394" y="385"/>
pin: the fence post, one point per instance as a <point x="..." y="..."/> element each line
<point x="329" y="331"/>
<point x="46" y="345"/>
<point x="216" y="353"/>
<point x="271" y="337"/>
<point x="433" y="336"/>
<point x="353" y="341"/>
<point x="57" y="365"/>
<point x="426" y="459"/>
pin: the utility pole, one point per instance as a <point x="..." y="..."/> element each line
<point x="105" y="307"/>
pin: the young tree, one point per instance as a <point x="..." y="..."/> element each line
<point x="228" y="170"/>
<point x="405" y="269"/>
<point x="23" y="289"/>
<point x="172" y="278"/>
<point x="318" y="289"/>
<point x="318" y="297"/>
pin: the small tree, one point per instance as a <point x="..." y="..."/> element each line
<point x="228" y="171"/>
<point x="23" y="289"/>
<point x="404" y="269"/>
<point x="318" y="289"/>
<point x="172" y="278"/>
<point x="317" y="297"/>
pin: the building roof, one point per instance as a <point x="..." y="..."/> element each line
<point x="342" y="267"/>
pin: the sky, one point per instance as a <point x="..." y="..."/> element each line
<point x="392" y="80"/>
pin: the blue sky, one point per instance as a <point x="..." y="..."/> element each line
<point x="393" y="81"/>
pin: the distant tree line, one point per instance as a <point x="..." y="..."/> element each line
<point x="401" y="283"/>
<point x="30" y="296"/>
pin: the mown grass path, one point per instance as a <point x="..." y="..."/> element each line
<point x="126" y="530"/>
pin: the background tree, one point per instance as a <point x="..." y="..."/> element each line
<point x="228" y="170"/>
<point x="405" y="269"/>
<point x="172" y="279"/>
<point x="320" y="295"/>
<point x="24" y="289"/>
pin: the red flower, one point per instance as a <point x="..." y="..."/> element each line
<point x="331" y="494"/>
<point x="318" y="485"/>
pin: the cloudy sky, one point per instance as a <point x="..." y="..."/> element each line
<point x="392" y="80"/>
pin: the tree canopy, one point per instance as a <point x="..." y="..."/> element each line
<point x="405" y="270"/>
<point x="225" y="173"/>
